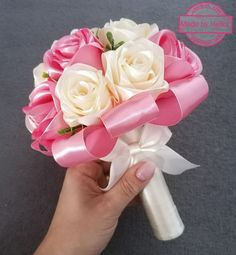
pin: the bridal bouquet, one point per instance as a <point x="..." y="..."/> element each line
<point x="110" y="93"/>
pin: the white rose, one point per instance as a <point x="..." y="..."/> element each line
<point x="40" y="74"/>
<point x="83" y="94"/>
<point x="135" y="67"/>
<point x="125" y="30"/>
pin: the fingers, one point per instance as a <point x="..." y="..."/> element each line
<point x="90" y="169"/>
<point x="105" y="165"/>
<point x="85" y="176"/>
<point x="130" y="185"/>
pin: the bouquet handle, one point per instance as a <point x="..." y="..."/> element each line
<point x="160" y="208"/>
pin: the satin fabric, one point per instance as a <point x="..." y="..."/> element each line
<point x="145" y="143"/>
<point x="187" y="89"/>
<point x="169" y="109"/>
<point x="180" y="61"/>
<point x="44" y="117"/>
<point x="66" y="51"/>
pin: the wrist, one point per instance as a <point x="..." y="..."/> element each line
<point x="54" y="246"/>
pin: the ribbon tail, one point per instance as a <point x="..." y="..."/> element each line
<point x="173" y="163"/>
<point x="120" y="160"/>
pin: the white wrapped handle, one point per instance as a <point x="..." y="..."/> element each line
<point x="148" y="142"/>
<point x="160" y="209"/>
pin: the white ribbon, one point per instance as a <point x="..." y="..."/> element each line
<point x="147" y="142"/>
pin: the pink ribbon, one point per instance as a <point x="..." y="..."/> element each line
<point x="98" y="141"/>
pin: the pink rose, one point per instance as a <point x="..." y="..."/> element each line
<point x="180" y="61"/>
<point x="81" y="46"/>
<point x="43" y="116"/>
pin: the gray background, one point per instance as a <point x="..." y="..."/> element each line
<point x="30" y="182"/>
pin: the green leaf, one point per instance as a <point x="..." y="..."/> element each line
<point x="68" y="130"/>
<point x="110" y="38"/>
<point x="108" y="47"/>
<point x="118" y="45"/>
<point x="45" y="75"/>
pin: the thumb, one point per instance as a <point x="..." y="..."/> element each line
<point x="129" y="186"/>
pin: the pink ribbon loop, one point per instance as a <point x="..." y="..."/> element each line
<point x="132" y="113"/>
<point x="89" y="144"/>
<point x="98" y="141"/>
<point x="182" y="98"/>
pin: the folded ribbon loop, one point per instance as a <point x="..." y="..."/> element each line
<point x="181" y="99"/>
<point x="132" y="113"/>
<point x="89" y="144"/>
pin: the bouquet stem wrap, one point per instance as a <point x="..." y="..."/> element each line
<point x="160" y="209"/>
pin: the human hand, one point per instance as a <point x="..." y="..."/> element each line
<point x="86" y="217"/>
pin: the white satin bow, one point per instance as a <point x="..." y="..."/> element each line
<point x="147" y="142"/>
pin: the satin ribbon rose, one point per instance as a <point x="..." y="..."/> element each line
<point x="83" y="94"/>
<point x="135" y="67"/>
<point x="125" y="30"/>
<point x="81" y="46"/>
<point x="180" y="61"/>
<point x="43" y="116"/>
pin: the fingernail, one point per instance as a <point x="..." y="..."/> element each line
<point x="145" y="171"/>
